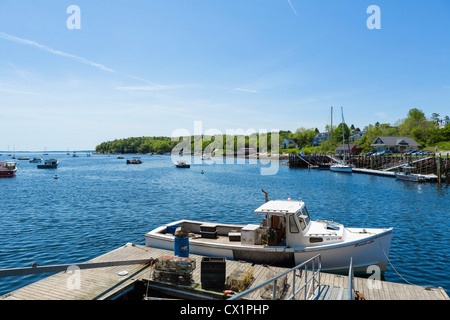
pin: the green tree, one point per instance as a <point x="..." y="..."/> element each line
<point x="417" y="126"/>
<point x="435" y="117"/>
<point x="303" y="137"/>
<point x="337" y="134"/>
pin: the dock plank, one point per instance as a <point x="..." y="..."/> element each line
<point x="105" y="283"/>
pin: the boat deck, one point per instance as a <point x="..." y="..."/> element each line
<point x="222" y="240"/>
<point x="106" y="283"/>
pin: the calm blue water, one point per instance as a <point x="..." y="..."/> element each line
<point x="99" y="203"/>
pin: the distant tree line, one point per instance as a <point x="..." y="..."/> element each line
<point x="415" y="125"/>
<point x="218" y="143"/>
<point x="137" y="145"/>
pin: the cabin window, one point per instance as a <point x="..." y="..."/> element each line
<point x="302" y="222"/>
<point x="303" y="218"/>
<point x="306" y="214"/>
<point x="293" y="228"/>
<point x="315" y="239"/>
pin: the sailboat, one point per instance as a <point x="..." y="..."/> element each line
<point x="342" y="166"/>
<point x="326" y="166"/>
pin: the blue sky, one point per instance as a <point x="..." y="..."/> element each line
<point x="147" y="67"/>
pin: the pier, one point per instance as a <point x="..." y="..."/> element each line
<point x="111" y="277"/>
<point x="431" y="168"/>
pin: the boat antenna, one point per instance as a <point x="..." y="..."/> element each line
<point x="267" y="195"/>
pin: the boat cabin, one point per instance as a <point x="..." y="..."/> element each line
<point x="51" y="162"/>
<point x="407" y="170"/>
<point x="286" y="222"/>
<point x="8" y="165"/>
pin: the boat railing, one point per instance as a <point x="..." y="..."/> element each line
<point x="312" y="281"/>
<point x="351" y="282"/>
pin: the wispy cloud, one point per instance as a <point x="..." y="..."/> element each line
<point x="381" y="115"/>
<point x="292" y="7"/>
<point x="53" y="51"/>
<point x="21" y="92"/>
<point x="246" y="90"/>
<point x="149" y="86"/>
<point x="156" y="87"/>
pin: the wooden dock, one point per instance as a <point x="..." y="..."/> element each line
<point x="432" y="168"/>
<point x="108" y="283"/>
<point x="391" y="174"/>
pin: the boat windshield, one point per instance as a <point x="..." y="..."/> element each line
<point x="303" y="218"/>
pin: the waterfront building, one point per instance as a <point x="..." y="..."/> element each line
<point x="395" y="144"/>
<point x="356" y="135"/>
<point x="444" y="122"/>
<point x="289" y="141"/>
<point x="354" y="149"/>
<point x="319" y="138"/>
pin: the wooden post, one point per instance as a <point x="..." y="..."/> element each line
<point x="439" y="169"/>
<point x="446" y="170"/>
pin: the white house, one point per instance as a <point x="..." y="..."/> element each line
<point x="319" y="138"/>
<point x="444" y="122"/>
<point x="356" y="135"/>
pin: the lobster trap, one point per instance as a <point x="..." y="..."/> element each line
<point x="174" y="269"/>
<point x="239" y="278"/>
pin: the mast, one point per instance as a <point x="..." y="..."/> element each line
<point x="331" y="142"/>
<point x="343" y="136"/>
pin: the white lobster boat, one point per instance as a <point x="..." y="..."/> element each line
<point x="408" y="175"/>
<point x="286" y="237"/>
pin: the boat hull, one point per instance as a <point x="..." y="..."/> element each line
<point x="410" y="177"/>
<point x="7" y="173"/>
<point x="45" y="166"/>
<point x="346" y="169"/>
<point x="370" y="252"/>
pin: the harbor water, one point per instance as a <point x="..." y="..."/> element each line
<point x="100" y="203"/>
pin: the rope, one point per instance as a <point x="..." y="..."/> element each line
<point x="390" y="263"/>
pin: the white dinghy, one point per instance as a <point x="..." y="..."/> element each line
<point x="286" y="237"/>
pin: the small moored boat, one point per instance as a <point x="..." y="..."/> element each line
<point x="36" y="160"/>
<point x="286" y="237"/>
<point x="324" y="166"/>
<point x="135" y="160"/>
<point x="408" y="175"/>
<point x="182" y="164"/>
<point x="49" y="164"/>
<point x="342" y="167"/>
<point x="7" y="169"/>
